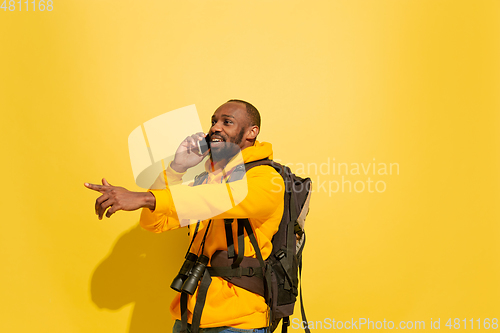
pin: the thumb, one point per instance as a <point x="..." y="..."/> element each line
<point x="105" y="182"/>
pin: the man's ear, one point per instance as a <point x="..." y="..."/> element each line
<point x="253" y="132"/>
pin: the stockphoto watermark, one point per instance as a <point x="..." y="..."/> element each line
<point x="367" y="323"/>
<point x="359" y="323"/>
<point x="332" y="177"/>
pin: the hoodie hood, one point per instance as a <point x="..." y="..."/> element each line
<point x="258" y="151"/>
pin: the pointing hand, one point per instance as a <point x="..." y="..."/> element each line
<point x="118" y="198"/>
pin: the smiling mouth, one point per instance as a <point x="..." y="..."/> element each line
<point x="216" y="141"/>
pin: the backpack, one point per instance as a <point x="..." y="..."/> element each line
<point x="277" y="277"/>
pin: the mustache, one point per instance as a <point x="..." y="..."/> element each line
<point x="217" y="136"/>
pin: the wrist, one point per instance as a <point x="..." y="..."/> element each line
<point x="149" y="201"/>
<point x="177" y="168"/>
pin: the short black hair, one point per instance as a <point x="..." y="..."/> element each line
<point x="252" y="112"/>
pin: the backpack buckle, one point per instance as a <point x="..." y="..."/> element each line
<point x="280" y="254"/>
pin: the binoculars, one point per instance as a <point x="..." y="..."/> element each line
<point x="190" y="273"/>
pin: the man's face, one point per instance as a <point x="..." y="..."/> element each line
<point x="227" y="134"/>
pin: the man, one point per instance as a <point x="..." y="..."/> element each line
<point x="235" y="126"/>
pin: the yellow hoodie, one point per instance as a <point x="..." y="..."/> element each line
<point x="226" y="304"/>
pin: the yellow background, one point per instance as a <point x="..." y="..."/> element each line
<point x="408" y="82"/>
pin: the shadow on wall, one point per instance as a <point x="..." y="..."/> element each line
<point x="139" y="270"/>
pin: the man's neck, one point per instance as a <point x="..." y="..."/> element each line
<point x="220" y="163"/>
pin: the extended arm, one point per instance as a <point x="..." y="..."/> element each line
<point x="118" y="198"/>
<point x="258" y="197"/>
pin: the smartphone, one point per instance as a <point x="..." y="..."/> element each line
<point x="204" y="145"/>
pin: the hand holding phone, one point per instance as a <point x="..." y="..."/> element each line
<point x="204" y="145"/>
<point x="191" y="152"/>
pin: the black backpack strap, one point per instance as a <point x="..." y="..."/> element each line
<point x="229" y="237"/>
<point x="304" y="319"/>
<point x="199" y="179"/>
<point x="299" y="256"/>
<point x="264" y="161"/>
<point x="265" y="271"/>
<point x="286" y="320"/>
<point x="248" y="276"/>
<point x="237" y="174"/>
<point x="241" y="245"/>
<point x="248" y="228"/>
<point x="291" y="239"/>
<point x="284" y="324"/>
<point x="230" y="272"/>
<point x="240" y="170"/>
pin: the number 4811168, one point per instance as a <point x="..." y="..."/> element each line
<point x="486" y="323"/>
<point x="42" y="5"/>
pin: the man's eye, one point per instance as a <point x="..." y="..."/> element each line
<point x="228" y="122"/>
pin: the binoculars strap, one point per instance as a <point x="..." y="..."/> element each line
<point x="192" y="239"/>
<point x="206" y="280"/>
<point x="184" y="318"/>
<point x="200" y="301"/>
<point x="198" y="308"/>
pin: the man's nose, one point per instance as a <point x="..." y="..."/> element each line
<point x="215" y="128"/>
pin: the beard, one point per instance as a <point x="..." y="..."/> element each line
<point x="227" y="149"/>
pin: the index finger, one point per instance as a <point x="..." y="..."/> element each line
<point x="95" y="187"/>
